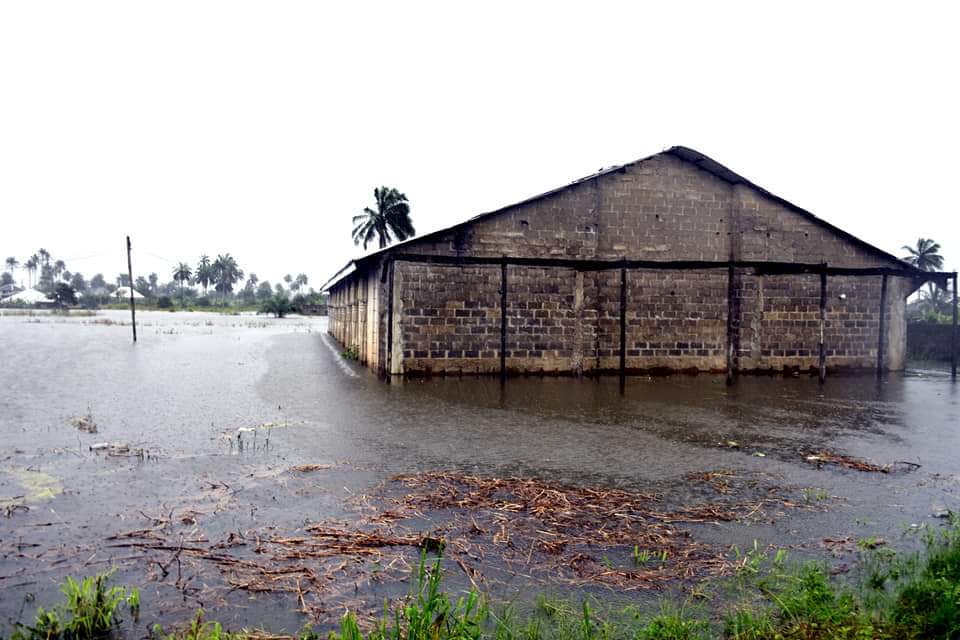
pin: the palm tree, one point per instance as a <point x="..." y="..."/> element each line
<point x="925" y="256"/>
<point x="43" y="256"/>
<point x="204" y="274"/>
<point x="301" y="281"/>
<point x="33" y="263"/>
<point x="226" y="273"/>
<point x="182" y="274"/>
<point x="12" y="264"/>
<point x="58" y="268"/>
<point x="391" y="216"/>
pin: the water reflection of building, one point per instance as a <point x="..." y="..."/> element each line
<point x="672" y="262"/>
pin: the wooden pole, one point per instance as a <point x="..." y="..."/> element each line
<point x="133" y="310"/>
<point x="389" y="358"/>
<point x="953" y="334"/>
<point x="623" y="325"/>
<point x="822" y="358"/>
<point x="730" y="309"/>
<point x="503" y="321"/>
<point x="881" y="340"/>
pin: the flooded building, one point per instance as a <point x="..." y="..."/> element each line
<point x="670" y="263"/>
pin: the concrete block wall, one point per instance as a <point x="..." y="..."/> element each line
<point x="447" y="318"/>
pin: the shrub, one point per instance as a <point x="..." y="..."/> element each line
<point x="164" y="302"/>
<point x="279" y="305"/>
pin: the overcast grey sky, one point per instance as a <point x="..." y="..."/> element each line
<point x="261" y="128"/>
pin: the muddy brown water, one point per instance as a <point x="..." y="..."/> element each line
<point x="182" y="393"/>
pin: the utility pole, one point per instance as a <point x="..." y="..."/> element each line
<point x="133" y="310"/>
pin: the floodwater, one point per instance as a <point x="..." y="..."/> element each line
<point x="214" y="410"/>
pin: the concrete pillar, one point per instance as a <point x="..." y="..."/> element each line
<point x="362" y="309"/>
<point x="396" y="349"/>
<point x="576" y="363"/>
<point x="895" y="327"/>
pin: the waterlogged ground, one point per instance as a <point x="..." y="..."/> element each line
<point x="202" y="496"/>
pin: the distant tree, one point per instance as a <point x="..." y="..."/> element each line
<point x="123" y="280"/>
<point x="78" y="283"/>
<point x="6" y="278"/>
<point x="63" y="294"/>
<point x="154" y="280"/>
<point x="301" y="281"/>
<point x="46" y="279"/>
<point x="925" y="256"/>
<point x="226" y="274"/>
<point x="12" y="264"/>
<point x="43" y="257"/>
<point x="182" y="274"/>
<point x="249" y="292"/>
<point x="142" y="285"/>
<point x="58" y="268"/>
<point x="279" y="305"/>
<point x="31" y="266"/>
<point x="66" y="275"/>
<point x="288" y="279"/>
<point x="98" y="282"/>
<point x="391" y="216"/>
<point x="264" y="291"/>
<point x="204" y="273"/>
<point x="279" y="289"/>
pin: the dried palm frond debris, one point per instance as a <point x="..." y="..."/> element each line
<point x="307" y="468"/>
<point x="718" y="480"/>
<point x="486" y="526"/>
<point x="823" y="457"/>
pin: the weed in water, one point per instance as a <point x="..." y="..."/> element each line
<point x="90" y="611"/>
<point x="640" y="556"/>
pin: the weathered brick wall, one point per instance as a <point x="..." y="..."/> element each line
<point x="676" y="320"/>
<point x="451" y="318"/>
<point x="541" y="319"/>
<point x="447" y="318"/>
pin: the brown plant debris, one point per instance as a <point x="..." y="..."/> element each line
<point x="307" y="468"/>
<point x="485" y="527"/>
<point x="84" y="423"/>
<point x="849" y="462"/>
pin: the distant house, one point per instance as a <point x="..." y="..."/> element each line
<point x="671" y="262"/>
<point x="29" y="297"/>
<point x="123" y="293"/>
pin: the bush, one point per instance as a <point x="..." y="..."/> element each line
<point x="279" y="305"/>
<point x="203" y="301"/>
<point x="164" y="302"/>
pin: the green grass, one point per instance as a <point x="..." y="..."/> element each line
<point x="91" y="610"/>
<point x="907" y="596"/>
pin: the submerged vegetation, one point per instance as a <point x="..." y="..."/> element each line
<point x="896" y="596"/>
<point x="90" y="610"/>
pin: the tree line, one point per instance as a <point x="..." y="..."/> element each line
<point x="219" y="280"/>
